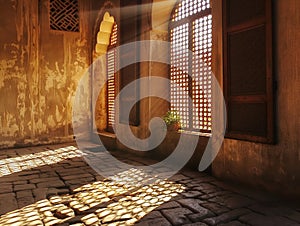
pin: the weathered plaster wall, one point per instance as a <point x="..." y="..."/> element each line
<point x="274" y="167"/>
<point x="39" y="73"/>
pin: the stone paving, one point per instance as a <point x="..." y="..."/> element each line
<point x="53" y="185"/>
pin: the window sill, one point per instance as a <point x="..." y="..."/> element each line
<point x="195" y="133"/>
<point x="107" y="134"/>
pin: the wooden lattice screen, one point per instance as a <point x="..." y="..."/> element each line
<point x="179" y="72"/>
<point x="111" y="83"/>
<point x="191" y="52"/>
<point x="64" y="15"/>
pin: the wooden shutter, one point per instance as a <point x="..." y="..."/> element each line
<point x="130" y="32"/>
<point x="248" y="80"/>
<point x="111" y="60"/>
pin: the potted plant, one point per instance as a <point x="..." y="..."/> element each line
<point x="172" y="120"/>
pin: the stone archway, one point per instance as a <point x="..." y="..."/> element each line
<point x="102" y="34"/>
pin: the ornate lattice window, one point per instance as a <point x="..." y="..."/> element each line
<point x="111" y="81"/>
<point x="64" y="15"/>
<point x="191" y="56"/>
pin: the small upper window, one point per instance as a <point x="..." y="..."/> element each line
<point x="64" y="15"/>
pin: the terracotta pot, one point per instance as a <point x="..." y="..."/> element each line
<point x="173" y="127"/>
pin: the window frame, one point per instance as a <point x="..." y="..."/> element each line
<point x="219" y="68"/>
<point x="172" y="25"/>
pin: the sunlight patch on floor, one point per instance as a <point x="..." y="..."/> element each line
<point x="112" y="201"/>
<point x="26" y="162"/>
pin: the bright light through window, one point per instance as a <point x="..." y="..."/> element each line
<point x="191" y="54"/>
<point x="111" y="67"/>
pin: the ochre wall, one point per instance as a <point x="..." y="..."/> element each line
<point x="39" y="73"/>
<point x="273" y="167"/>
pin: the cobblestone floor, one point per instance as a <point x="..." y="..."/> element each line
<point x="53" y="185"/>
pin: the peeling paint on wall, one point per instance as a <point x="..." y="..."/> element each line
<point x="39" y="73"/>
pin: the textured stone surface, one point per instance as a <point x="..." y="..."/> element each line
<point x="177" y="216"/>
<point x="194" y="205"/>
<point x="169" y="205"/>
<point x="8" y="202"/>
<point x="258" y="219"/>
<point x="196" y="224"/>
<point x="226" y="217"/>
<point x="154" y="222"/>
<point x="21" y="187"/>
<point x="69" y="192"/>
